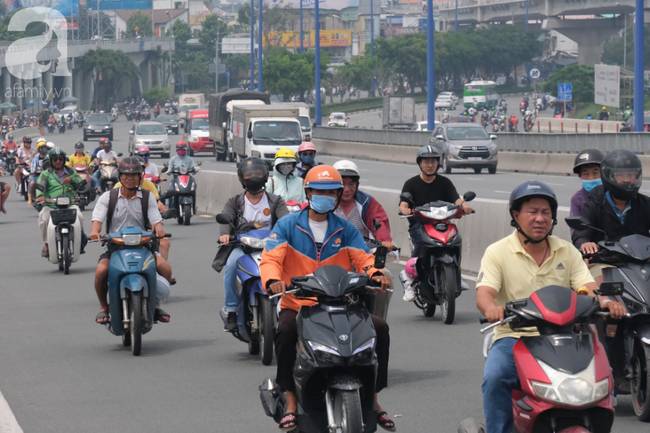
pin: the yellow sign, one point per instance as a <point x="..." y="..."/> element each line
<point x="328" y="39"/>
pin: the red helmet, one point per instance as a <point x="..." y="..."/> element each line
<point x="142" y="150"/>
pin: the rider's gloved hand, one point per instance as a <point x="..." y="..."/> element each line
<point x="277" y="286"/>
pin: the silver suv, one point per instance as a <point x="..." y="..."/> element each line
<point x="151" y="134"/>
<point x="465" y="145"/>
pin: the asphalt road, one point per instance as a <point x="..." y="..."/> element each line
<point x="62" y="373"/>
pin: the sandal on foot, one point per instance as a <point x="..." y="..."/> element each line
<point x="102" y="317"/>
<point x="161" y="315"/>
<point x="288" y="422"/>
<point x="384" y="421"/>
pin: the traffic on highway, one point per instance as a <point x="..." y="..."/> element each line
<point x="159" y="294"/>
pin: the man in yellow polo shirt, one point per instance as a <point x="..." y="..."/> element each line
<point x="513" y="268"/>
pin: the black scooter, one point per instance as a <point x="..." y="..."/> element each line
<point x="336" y="365"/>
<point x="630" y="351"/>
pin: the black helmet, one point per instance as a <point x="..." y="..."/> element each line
<point x="253" y="174"/>
<point x="587" y="157"/>
<point x="57" y="153"/>
<point x="79" y="145"/>
<point x="428" y="151"/>
<point x="531" y="189"/>
<point x="130" y="165"/>
<point x="27" y="139"/>
<point x="617" y="163"/>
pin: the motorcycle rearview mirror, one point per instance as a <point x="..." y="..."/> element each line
<point x="120" y="154"/>
<point x="577" y="223"/>
<point x="610" y="288"/>
<point x="380" y="257"/>
<point x="469" y="196"/>
<point x="249" y="134"/>
<point x="493" y="136"/>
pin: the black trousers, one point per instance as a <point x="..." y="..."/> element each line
<point x="286" y="338"/>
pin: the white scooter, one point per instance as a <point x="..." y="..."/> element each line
<point x="64" y="234"/>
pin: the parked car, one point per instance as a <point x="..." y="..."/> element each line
<point x="338" y="119"/>
<point x="465" y="145"/>
<point x="98" y="125"/>
<point x="170" y="121"/>
<point x="151" y="134"/>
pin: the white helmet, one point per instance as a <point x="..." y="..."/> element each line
<point x="347" y="168"/>
<point x="50" y="145"/>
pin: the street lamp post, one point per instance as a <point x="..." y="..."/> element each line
<point x="302" y="31"/>
<point x="372" y="45"/>
<point x="456" y="17"/>
<point x="317" y="108"/>
<point x="251" y="59"/>
<point x="638" y="66"/>
<point x="260" y="51"/>
<point x="526" y="17"/>
<point x="431" y="113"/>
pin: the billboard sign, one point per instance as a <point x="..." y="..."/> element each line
<point x="607" y="85"/>
<point x="236" y="45"/>
<point x="111" y="5"/>
<point x="333" y="38"/>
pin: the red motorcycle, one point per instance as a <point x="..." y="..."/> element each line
<point x="438" y="279"/>
<point x="566" y="380"/>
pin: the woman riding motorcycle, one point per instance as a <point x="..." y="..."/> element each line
<point x="283" y="181"/>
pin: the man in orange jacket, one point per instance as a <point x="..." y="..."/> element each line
<point x="299" y="244"/>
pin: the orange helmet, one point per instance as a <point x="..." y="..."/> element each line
<point x="323" y="177"/>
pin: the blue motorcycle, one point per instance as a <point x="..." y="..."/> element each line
<point x="134" y="288"/>
<point x="256" y="317"/>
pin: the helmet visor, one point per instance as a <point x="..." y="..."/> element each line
<point x="628" y="179"/>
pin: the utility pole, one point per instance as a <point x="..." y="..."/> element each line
<point x="260" y="51"/>
<point x="251" y="62"/>
<point x="456" y="17"/>
<point x="372" y="46"/>
<point x="302" y="31"/>
<point x="216" y="64"/>
<point x="317" y="107"/>
<point x="638" y="66"/>
<point x="431" y="112"/>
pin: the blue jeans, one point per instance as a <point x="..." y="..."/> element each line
<point x="499" y="379"/>
<point x="96" y="176"/>
<point x="230" y="281"/>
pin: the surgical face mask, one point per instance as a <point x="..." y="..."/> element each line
<point x="322" y="203"/>
<point x="588" y="185"/>
<point x="181" y="152"/>
<point x="308" y="159"/>
<point x="285" y="169"/>
<point x="254" y="185"/>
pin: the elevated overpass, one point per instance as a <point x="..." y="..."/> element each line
<point x="560" y="15"/>
<point x="52" y="83"/>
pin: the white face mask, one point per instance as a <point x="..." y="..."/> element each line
<point x="285" y="169"/>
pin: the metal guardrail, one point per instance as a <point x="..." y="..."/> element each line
<point x="518" y="142"/>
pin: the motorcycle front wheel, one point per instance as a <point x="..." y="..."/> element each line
<point x="447" y="288"/>
<point x="347" y="411"/>
<point x="267" y="331"/>
<point x="641" y="381"/>
<point x="66" y="253"/>
<point x="136" y="323"/>
<point x="187" y="214"/>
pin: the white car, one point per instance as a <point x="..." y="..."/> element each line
<point x="338" y="120"/>
<point x="449" y="95"/>
<point x="151" y="134"/>
<point x="445" y="102"/>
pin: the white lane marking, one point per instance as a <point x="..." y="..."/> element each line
<point x="501" y="192"/>
<point x="8" y="422"/>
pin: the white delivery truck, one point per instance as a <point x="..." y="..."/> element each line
<point x="260" y="130"/>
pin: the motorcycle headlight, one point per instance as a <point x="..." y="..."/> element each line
<point x="365" y="352"/>
<point x="106" y="127"/>
<point x="439" y="213"/>
<point x="132" y="240"/>
<point x="325" y="354"/>
<point x="571" y="390"/>
<point x="253" y="242"/>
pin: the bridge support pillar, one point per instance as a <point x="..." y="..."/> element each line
<point x="7" y="91"/>
<point x="590" y="35"/>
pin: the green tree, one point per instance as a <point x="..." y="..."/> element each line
<point x="157" y="94"/>
<point x="291" y="74"/>
<point x="181" y="32"/>
<point x="211" y="28"/>
<point x="614" y="48"/>
<point x="112" y="70"/>
<point x="580" y="76"/>
<point x="139" y="23"/>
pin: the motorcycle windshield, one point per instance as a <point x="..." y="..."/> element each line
<point x="332" y="281"/>
<point x="636" y="246"/>
<point x="570" y="353"/>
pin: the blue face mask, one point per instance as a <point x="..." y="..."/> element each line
<point x="308" y="159"/>
<point x="588" y="185"/>
<point x="322" y="203"/>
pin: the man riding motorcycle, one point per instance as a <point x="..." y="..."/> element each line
<point x="38" y="164"/>
<point x="360" y="208"/>
<point x="255" y="208"/>
<point x="301" y="243"/>
<point x="181" y="161"/>
<point x="131" y="207"/>
<point x="9" y="143"/>
<point x="103" y="141"/>
<point x="616" y="207"/>
<point x="425" y="188"/>
<point x="150" y="168"/>
<point x="284" y="182"/>
<point x="106" y="154"/>
<point x="24" y="155"/>
<point x="56" y="181"/>
<point x="587" y="167"/>
<point x="307" y="158"/>
<point x="513" y="268"/>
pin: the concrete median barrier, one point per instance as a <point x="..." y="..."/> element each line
<point x="490" y="222"/>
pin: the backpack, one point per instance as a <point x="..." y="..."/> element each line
<point x="112" y="203"/>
